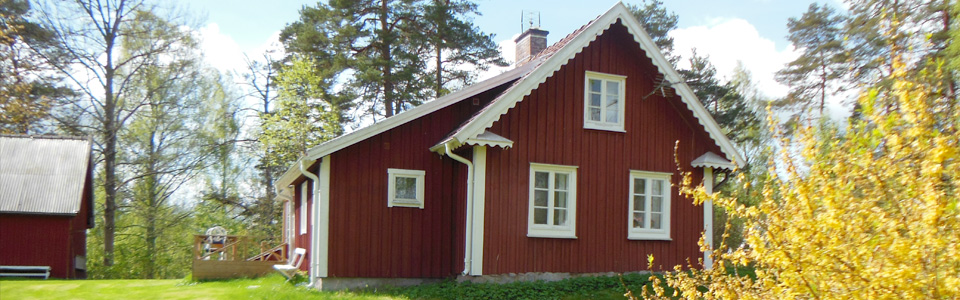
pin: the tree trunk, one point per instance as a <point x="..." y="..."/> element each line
<point x="385" y="44"/>
<point x="109" y="156"/>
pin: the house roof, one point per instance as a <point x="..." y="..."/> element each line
<point x="351" y="138"/>
<point x="43" y="174"/>
<point x="525" y="78"/>
<point x="556" y="56"/>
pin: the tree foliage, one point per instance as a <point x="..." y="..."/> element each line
<point x="379" y="51"/>
<point x="29" y="88"/>
<point x="817" y="72"/>
<point x="657" y="22"/>
<point x="103" y="72"/>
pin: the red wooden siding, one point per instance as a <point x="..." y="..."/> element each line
<point x="368" y="239"/>
<point x="37" y="240"/>
<point x="303" y="240"/>
<point x="547" y="127"/>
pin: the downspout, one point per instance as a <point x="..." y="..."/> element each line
<point x="468" y="233"/>
<point x="314" y="212"/>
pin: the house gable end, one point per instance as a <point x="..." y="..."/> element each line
<point x="577" y="42"/>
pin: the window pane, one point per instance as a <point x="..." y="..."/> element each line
<point x="540" y="198"/>
<point x="594" y="114"/>
<point x="657" y="187"/>
<point x="560" y="181"/>
<point x="541" y="180"/>
<point x="613" y="114"/>
<point x="594" y="100"/>
<point x="656" y="203"/>
<point x="639" y="186"/>
<point x="638" y="220"/>
<point x="540" y="216"/>
<point x="560" y="199"/>
<point x="406" y="188"/>
<point x="613" y="88"/>
<point x="560" y="217"/>
<point x="655" y="221"/>
<point x="595" y="85"/>
<point x="639" y="203"/>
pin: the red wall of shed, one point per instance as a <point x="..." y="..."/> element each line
<point x="37" y="240"/>
<point x="547" y="127"/>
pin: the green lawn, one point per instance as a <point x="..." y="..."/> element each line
<point x="270" y="287"/>
<point x="274" y="287"/>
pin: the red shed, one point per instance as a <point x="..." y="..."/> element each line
<point x="564" y="165"/>
<point x="46" y="200"/>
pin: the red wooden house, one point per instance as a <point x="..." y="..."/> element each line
<point x="46" y="203"/>
<point x="565" y="164"/>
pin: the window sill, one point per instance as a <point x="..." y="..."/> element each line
<point x="552" y="235"/>
<point x="649" y="238"/>
<point x="597" y="127"/>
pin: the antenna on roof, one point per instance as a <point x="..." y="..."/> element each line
<point x="529" y="19"/>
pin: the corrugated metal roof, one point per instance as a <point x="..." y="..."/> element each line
<point x="43" y="174"/>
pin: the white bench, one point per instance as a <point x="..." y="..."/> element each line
<point x="25" y="271"/>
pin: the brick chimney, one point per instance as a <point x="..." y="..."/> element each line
<point x="530" y="43"/>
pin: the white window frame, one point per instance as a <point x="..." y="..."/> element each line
<point x="662" y="234"/>
<point x="603" y="124"/>
<point x="290" y="224"/>
<point x="568" y="231"/>
<point x="392" y="175"/>
<point x="304" y="191"/>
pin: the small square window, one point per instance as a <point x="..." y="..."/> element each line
<point x="649" y="217"/>
<point x="405" y="188"/>
<point x="603" y="104"/>
<point x="553" y="201"/>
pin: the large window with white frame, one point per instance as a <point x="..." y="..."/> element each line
<point x="405" y="188"/>
<point x="603" y="104"/>
<point x="553" y="201"/>
<point x="649" y="206"/>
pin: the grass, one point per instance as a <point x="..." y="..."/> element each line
<point x="275" y="287"/>
<point x="269" y="287"/>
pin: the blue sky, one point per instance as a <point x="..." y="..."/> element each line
<point x="748" y="31"/>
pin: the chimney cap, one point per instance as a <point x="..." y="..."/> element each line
<point x="532" y="31"/>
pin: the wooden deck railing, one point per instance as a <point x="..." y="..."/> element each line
<point x="236" y="248"/>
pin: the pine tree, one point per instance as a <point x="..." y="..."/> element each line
<point x="29" y="87"/>
<point x="815" y="75"/>
<point x="657" y="22"/>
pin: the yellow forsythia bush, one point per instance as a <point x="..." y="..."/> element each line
<point x="872" y="214"/>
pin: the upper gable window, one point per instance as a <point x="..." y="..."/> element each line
<point x="405" y="188"/>
<point x="603" y="101"/>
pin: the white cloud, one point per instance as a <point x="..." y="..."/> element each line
<point x="727" y="41"/>
<point x="220" y="50"/>
<point x="223" y="53"/>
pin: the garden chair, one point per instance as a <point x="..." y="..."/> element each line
<point x="293" y="264"/>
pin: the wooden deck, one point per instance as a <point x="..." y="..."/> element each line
<point x="225" y="257"/>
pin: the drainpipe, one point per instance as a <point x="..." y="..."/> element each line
<point x="315" y="209"/>
<point x="468" y="234"/>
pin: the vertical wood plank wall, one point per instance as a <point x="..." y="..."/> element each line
<point x="369" y="239"/>
<point x="547" y="127"/>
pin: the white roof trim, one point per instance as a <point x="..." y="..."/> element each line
<point x="553" y="63"/>
<point x="712" y="160"/>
